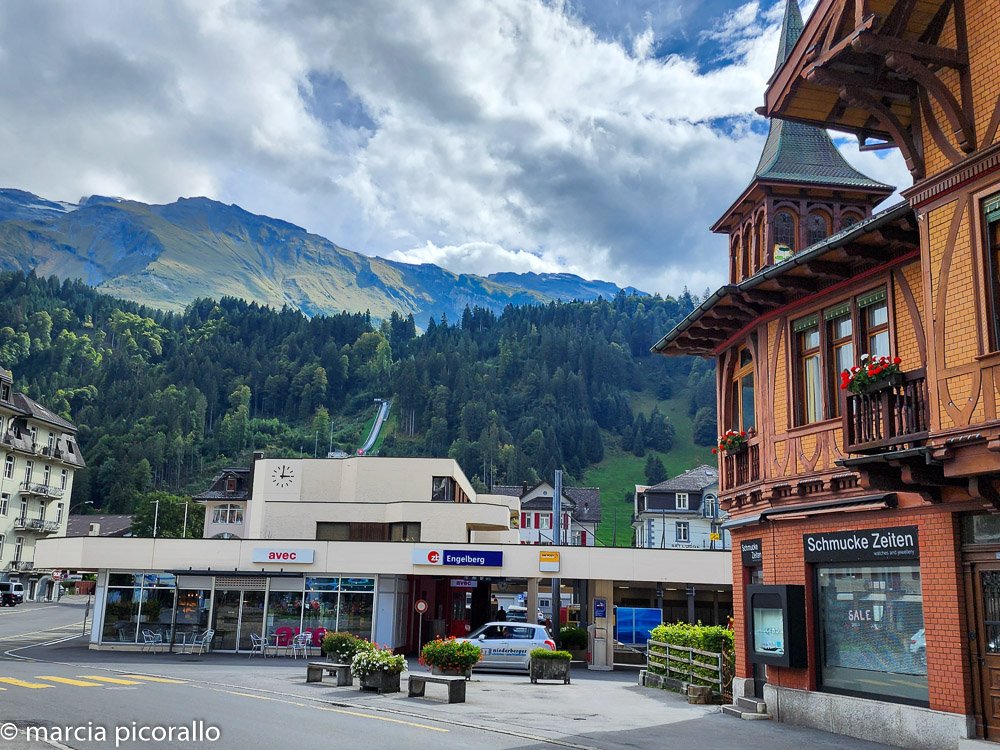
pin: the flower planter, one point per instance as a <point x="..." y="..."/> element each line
<point x="550" y="669"/>
<point x="741" y="448"/>
<point x="383" y="682"/>
<point x="466" y="673"/>
<point x="892" y="380"/>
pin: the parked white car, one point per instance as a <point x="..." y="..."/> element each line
<point x="508" y="645"/>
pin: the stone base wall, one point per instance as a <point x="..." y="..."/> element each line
<point x="877" y="721"/>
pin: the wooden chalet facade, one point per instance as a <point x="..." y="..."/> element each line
<point x="881" y="508"/>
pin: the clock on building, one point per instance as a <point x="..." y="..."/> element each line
<point x="282" y="476"/>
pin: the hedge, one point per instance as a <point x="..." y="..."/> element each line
<point x="713" y="638"/>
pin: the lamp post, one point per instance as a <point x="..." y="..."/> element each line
<point x="156" y="515"/>
<point x="80" y="505"/>
<point x="185" y="532"/>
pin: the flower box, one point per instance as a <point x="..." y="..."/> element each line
<point x="549" y="665"/>
<point x="892" y="380"/>
<point x="466" y="673"/>
<point x="872" y="374"/>
<point x="383" y="682"/>
<point x="450" y="656"/>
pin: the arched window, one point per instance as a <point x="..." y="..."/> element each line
<point x="848" y="219"/>
<point x="817" y="228"/>
<point x="742" y="416"/>
<point x="229" y="513"/>
<point x="784" y="235"/>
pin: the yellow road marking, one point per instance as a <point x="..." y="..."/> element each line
<point x="22" y="683"/>
<point x="68" y="681"/>
<point x="112" y="680"/>
<point x="154" y="679"/>
<point x="337" y="711"/>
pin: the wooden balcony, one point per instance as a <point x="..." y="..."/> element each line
<point x="891" y="418"/>
<point x="743" y="467"/>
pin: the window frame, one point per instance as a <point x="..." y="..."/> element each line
<point x="793" y="244"/>
<point x="8" y="468"/>
<point x="686" y="497"/>
<point x="4" y="503"/>
<point x="740" y="371"/>
<point x="990" y="207"/>
<point x="685" y="527"/>
<point x="227" y="512"/>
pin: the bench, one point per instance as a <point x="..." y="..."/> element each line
<point x="315" y="669"/>
<point x="456" y="686"/>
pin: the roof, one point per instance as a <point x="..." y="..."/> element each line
<point x="586" y="501"/>
<point x="860" y="246"/>
<point x="79" y="525"/>
<point x="217" y="490"/>
<point x="795" y="152"/>
<point x="693" y="480"/>
<point x="35" y="410"/>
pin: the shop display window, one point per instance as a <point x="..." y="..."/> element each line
<point x="871" y="628"/>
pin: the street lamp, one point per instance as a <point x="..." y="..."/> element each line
<point x="80" y="505"/>
<point x="156" y="515"/>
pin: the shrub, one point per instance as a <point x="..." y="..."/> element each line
<point x="450" y="654"/>
<point x="369" y="661"/>
<point x="572" y="638"/>
<point x="344" y="646"/>
<point x="712" y="638"/>
<point x="544" y="653"/>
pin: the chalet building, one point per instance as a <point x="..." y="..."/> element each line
<point x="225" y="504"/>
<point x="680" y="513"/>
<point x="581" y="513"/>
<point x="866" y="521"/>
<point x="39" y="454"/>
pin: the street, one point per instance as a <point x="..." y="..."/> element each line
<point x="74" y="697"/>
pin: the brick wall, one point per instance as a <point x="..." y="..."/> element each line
<point x="948" y="670"/>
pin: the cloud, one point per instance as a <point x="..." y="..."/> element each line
<point x="483" y="135"/>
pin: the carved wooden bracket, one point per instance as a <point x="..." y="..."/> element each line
<point x="901" y="134"/>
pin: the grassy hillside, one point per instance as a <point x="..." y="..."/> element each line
<point x="620" y="471"/>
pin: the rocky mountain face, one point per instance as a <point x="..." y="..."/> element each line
<point x="167" y="255"/>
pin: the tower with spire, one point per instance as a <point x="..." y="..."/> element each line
<point x="802" y="191"/>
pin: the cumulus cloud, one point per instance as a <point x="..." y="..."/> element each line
<point x="484" y="135"/>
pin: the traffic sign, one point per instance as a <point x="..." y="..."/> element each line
<point x="420" y="605"/>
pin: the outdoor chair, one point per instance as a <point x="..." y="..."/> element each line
<point x="202" y="642"/>
<point x="151" y="640"/>
<point x="300" y="645"/>
<point x="259" y="645"/>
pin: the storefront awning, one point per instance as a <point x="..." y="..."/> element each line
<point x="804" y="510"/>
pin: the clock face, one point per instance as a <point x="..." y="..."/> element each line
<point x="282" y="476"/>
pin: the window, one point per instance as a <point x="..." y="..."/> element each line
<point x="840" y="344"/>
<point x="991" y="212"/>
<point x="28" y="466"/>
<point x="442" y="489"/>
<point x="711" y="506"/>
<point x="682" y="532"/>
<point x="46" y="474"/>
<point x="23" y="515"/>
<point x="817" y="228"/>
<point x="4" y="503"/>
<point x="848" y="220"/>
<point x="682" y="501"/>
<point x="2" y="538"/>
<point x="33" y="434"/>
<point x="8" y="467"/>
<point x="743" y="416"/>
<point x="229" y="513"/>
<point x="871" y="625"/>
<point x="52" y="444"/>
<point x="526" y="520"/>
<point x="874" y="309"/>
<point x="784" y="236"/>
<point x="63" y="478"/>
<point x="544" y="521"/>
<point x="809" y="369"/>
<point x="405" y="531"/>
<point x="230" y="484"/>
<point x="59" y="512"/>
<point x="18" y="548"/>
<point x="5" y="392"/>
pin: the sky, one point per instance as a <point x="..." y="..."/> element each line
<point x="596" y="137"/>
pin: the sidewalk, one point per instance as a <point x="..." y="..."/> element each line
<point x="597" y="710"/>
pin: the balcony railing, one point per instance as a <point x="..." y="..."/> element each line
<point x="742" y="467"/>
<point x="20" y="566"/>
<point x="890" y="418"/>
<point x="44" y="490"/>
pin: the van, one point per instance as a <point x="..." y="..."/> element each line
<point x="11" y="593"/>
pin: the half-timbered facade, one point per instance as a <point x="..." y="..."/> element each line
<point x="881" y="507"/>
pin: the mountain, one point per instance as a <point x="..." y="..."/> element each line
<point x="166" y="256"/>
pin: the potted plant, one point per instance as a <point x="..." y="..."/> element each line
<point x="378" y="669"/>
<point x="451" y="656"/>
<point x="732" y="441"/>
<point x="550" y="665"/>
<point x="873" y="374"/>
<point x="340" y="648"/>
<point x="574" y="640"/>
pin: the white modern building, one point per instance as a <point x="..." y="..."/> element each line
<point x="39" y="455"/>
<point x="681" y="513"/>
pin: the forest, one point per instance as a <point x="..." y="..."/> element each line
<point x="162" y="400"/>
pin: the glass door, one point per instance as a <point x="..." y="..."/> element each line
<point x="226" y="620"/>
<point x="251" y="618"/>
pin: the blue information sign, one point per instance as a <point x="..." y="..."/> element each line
<point x="600" y="608"/>
<point x="473" y="558"/>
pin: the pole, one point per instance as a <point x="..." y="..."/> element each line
<point x="185" y="532"/>
<point x="557" y="540"/>
<point x="420" y="633"/>
<point x="86" y="614"/>
<point x="156" y="517"/>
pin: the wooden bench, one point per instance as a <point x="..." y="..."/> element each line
<point x="315" y="669"/>
<point x="456" y="686"/>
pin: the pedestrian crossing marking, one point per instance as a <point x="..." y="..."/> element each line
<point x="24" y="684"/>
<point x="112" y="680"/>
<point x="68" y="681"/>
<point x="154" y="679"/>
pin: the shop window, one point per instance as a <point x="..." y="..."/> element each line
<point x="682" y="532"/>
<point x="742" y="414"/>
<point x="817" y="228"/>
<point x="809" y="369"/>
<point x="230" y="513"/>
<point x="442" y="489"/>
<point x="872" y="638"/>
<point x="784" y="236"/>
<point x="136" y="602"/>
<point x="991" y="211"/>
<point x="682" y="501"/>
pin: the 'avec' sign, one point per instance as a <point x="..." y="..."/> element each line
<point x="286" y="556"/>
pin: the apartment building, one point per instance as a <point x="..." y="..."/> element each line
<point x="39" y="454"/>
<point x="680" y="513"/>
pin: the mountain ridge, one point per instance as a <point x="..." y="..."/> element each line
<point x="167" y="255"/>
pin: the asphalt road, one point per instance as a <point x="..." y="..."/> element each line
<point x="37" y="622"/>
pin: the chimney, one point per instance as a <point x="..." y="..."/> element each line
<point x="95" y="530"/>
<point x="524" y="489"/>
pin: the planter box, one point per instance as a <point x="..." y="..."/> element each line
<point x="550" y="669"/>
<point x="741" y="448"/>
<point x="891" y="380"/>
<point x="383" y="682"/>
<point x="466" y="673"/>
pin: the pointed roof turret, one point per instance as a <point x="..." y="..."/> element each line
<point x="795" y="152"/>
